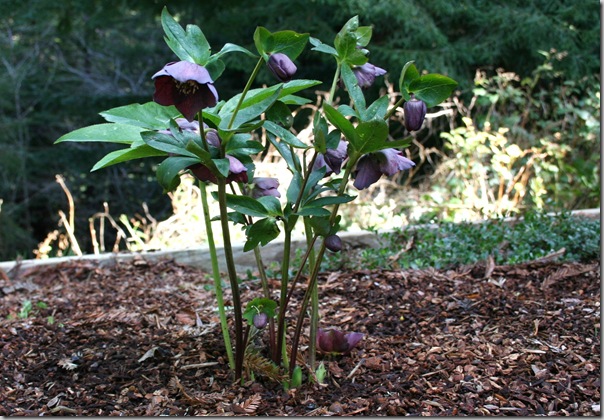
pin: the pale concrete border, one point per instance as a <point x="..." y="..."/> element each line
<point x="199" y="256"/>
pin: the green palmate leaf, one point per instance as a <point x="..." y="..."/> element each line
<point x="240" y="144"/>
<point x="292" y="160"/>
<point x="289" y="43"/>
<point x="168" y="172"/>
<point x="263" y="40"/>
<point x="284" y="135"/>
<point x="106" y="132"/>
<point x="355" y="92"/>
<point x="350" y="26"/>
<point x="432" y="88"/>
<point x="346" y="45"/>
<point x="255" y="103"/>
<point x="340" y="122"/>
<point x="272" y="205"/>
<point x="408" y="74"/>
<point x="124" y="155"/>
<point x="261" y="232"/>
<point x="321" y="47"/>
<point x="190" y="45"/>
<point x="297" y="85"/>
<point x="166" y="143"/>
<point x="378" y="109"/>
<point x="150" y="115"/>
<point x="246" y="205"/>
<point x="371" y="136"/>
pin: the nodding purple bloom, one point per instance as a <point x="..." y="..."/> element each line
<point x="333" y="243"/>
<point x="265" y="186"/>
<point x="282" y="66"/>
<point x="333" y="159"/>
<point x="415" y="112"/>
<point x="187" y="86"/>
<point x="367" y="73"/>
<point x="373" y="165"/>
<point x="333" y="341"/>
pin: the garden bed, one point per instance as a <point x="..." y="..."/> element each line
<point x="141" y="337"/>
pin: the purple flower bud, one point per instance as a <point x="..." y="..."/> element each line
<point x="333" y="159"/>
<point x="415" y="112"/>
<point x="282" y="66"/>
<point x="373" y="165"/>
<point x="336" y="342"/>
<point x="260" y="320"/>
<point x="265" y="186"/>
<point x="333" y="243"/>
<point x="187" y="86"/>
<point x="367" y="73"/>
<point x="237" y="170"/>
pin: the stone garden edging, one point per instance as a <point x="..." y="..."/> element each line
<point x="199" y="256"/>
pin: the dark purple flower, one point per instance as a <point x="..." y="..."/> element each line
<point x="373" y="165"/>
<point x="333" y="159"/>
<point x="367" y="73"/>
<point x="187" y="86"/>
<point x="260" y="320"/>
<point x="333" y="243"/>
<point x="265" y="186"/>
<point x="415" y="112"/>
<point x="336" y="342"/>
<point x="282" y="66"/>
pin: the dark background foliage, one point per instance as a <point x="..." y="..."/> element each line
<point x="63" y="62"/>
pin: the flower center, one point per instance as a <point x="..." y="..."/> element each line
<point x="187" y="88"/>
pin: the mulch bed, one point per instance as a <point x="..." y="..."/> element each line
<point x="143" y="339"/>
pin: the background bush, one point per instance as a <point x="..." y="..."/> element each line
<point x="63" y="62"/>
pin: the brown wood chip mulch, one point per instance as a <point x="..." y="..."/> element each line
<point x="143" y="339"/>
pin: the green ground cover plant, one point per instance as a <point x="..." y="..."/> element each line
<point x="448" y="244"/>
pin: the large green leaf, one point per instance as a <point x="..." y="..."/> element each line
<point x="150" y="115"/>
<point x="352" y="85"/>
<point x="285" y="135"/>
<point x="340" y="122"/>
<point x="106" y="132"/>
<point x="372" y="136"/>
<point x="168" y="172"/>
<point x="255" y="103"/>
<point x="289" y="43"/>
<point x="432" y="88"/>
<point x="124" y="155"/>
<point x="261" y="232"/>
<point x="246" y="205"/>
<point x="167" y="143"/>
<point x="190" y="45"/>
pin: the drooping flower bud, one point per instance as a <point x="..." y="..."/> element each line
<point x="282" y="66"/>
<point x="415" y="112"/>
<point x="260" y="320"/>
<point x="333" y="243"/>
<point x="367" y="73"/>
<point x="265" y="186"/>
<point x="333" y="341"/>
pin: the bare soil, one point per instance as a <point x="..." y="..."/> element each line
<point x="143" y="338"/>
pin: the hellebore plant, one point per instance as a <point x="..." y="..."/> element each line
<point x="195" y="132"/>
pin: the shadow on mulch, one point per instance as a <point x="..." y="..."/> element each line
<point x="143" y="339"/>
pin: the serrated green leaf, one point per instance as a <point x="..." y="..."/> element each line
<point x="150" y="115"/>
<point x="261" y="232"/>
<point x="340" y="122"/>
<point x="372" y="136"/>
<point x="432" y="88"/>
<point x="190" y="45"/>
<point x="124" y="155"/>
<point x="246" y="205"/>
<point x="168" y="171"/>
<point x="355" y="92"/>
<point x="106" y="132"/>
<point x="285" y="135"/>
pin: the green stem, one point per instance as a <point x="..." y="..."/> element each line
<point x="314" y="314"/>
<point x="232" y="272"/>
<point x="216" y="274"/>
<point x="334" y="84"/>
<point x="283" y="296"/>
<point x="393" y="109"/>
<point x="246" y="89"/>
<point x="267" y="294"/>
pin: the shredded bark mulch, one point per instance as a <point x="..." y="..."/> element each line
<point x="143" y="339"/>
